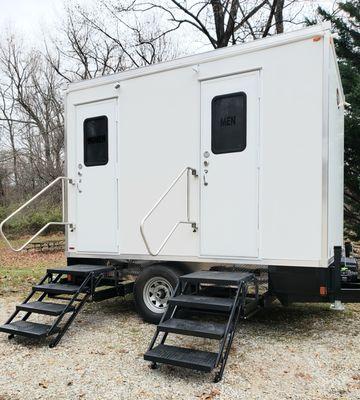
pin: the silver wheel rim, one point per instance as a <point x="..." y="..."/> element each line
<point x="156" y="294"/>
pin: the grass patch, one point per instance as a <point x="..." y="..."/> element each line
<point x="18" y="280"/>
<point x="19" y="271"/>
<point x="31" y="219"/>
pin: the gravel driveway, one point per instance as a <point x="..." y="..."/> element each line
<point x="300" y="352"/>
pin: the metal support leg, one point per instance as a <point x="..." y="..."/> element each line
<point x="337" y="306"/>
<point x="336" y="280"/>
<point x="86" y="294"/>
<point x="348" y="249"/>
<point x="238" y="309"/>
<point x="57" y="339"/>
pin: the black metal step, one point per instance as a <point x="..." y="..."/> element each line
<point x="57" y="288"/>
<point x="218" y="277"/>
<point x="350" y="295"/>
<point x="42" y="307"/>
<point x="350" y="261"/>
<point x="188" y="327"/>
<point x="81" y="269"/>
<point x="351" y="285"/>
<point x="181" y="357"/>
<point x="28" y="329"/>
<point x="203" y="302"/>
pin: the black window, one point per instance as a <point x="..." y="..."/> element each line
<point x="228" y="123"/>
<point x="96" y="141"/>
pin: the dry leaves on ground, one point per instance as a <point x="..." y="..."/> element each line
<point x="210" y="396"/>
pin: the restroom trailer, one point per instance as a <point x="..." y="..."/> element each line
<point x="222" y="159"/>
<point x="234" y="156"/>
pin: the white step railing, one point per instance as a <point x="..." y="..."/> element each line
<point x="188" y="170"/>
<point x="63" y="179"/>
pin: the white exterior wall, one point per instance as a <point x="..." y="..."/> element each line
<point x="336" y="157"/>
<point x="159" y="134"/>
<point x="161" y="137"/>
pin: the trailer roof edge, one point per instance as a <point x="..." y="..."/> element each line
<point x="212" y="55"/>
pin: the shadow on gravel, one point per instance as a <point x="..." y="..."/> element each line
<point x="303" y="320"/>
<point x="172" y="374"/>
<point x="29" y="344"/>
<point x="116" y="306"/>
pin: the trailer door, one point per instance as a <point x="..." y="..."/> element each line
<point x="97" y="197"/>
<point x="229" y="166"/>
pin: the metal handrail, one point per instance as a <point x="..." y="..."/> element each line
<point x="188" y="220"/>
<point x="60" y="178"/>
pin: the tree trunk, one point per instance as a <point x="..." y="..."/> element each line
<point x="279" y="18"/>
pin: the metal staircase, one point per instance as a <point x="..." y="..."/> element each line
<point x="204" y="294"/>
<point x="73" y="286"/>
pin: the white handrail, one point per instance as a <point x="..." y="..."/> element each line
<point x="188" y="220"/>
<point x="60" y="178"/>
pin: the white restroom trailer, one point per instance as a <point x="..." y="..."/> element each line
<point x="233" y="156"/>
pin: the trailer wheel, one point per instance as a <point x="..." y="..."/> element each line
<point x="152" y="290"/>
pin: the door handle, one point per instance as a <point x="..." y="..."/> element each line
<point x="204" y="177"/>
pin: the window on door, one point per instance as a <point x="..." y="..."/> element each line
<point x="228" y="123"/>
<point x="96" y="141"/>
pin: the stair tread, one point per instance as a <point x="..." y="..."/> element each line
<point x="211" y="330"/>
<point x="80" y="269"/>
<point x="182" y="357"/>
<point x="203" y="302"/>
<point x="27" y="328"/>
<point x="57" y="288"/>
<point x="218" y="277"/>
<point x="42" y="307"/>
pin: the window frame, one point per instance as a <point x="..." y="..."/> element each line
<point x="93" y="164"/>
<point x="223" y="96"/>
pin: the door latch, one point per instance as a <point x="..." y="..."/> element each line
<point x="204" y="177"/>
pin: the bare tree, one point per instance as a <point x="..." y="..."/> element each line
<point x="31" y="101"/>
<point x="87" y="46"/>
<point x="4" y="175"/>
<point x="79" y="52"/>
<point x="137" y="37"/>
<point x="224" y="22"/>
<point x="7" y="117"/>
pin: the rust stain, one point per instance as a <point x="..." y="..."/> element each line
<point x="317" y="38"/>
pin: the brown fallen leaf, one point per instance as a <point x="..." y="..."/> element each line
<point x="303" y="375"/>
<point x="44" y="384"/>
<point x="210" y="396"/>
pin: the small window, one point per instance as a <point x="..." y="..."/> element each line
<point x="228" y="123"/>
<point x="96" y="141"/>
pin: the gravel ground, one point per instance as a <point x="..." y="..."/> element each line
<point x="300" y="352"/>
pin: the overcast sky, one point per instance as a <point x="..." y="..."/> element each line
<point x="29" y="16"/>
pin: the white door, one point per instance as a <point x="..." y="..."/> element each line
<point x="97" y="197"/>
<point x="229" y="166"/>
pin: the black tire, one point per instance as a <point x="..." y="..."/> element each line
<point x="168" y="276"/>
